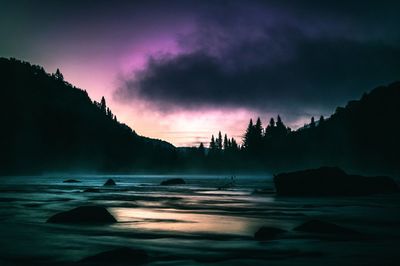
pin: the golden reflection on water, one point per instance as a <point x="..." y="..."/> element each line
<point x="175" y="220"/>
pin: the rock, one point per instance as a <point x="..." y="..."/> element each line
<point x="331" y="181"/>
<point x="173" y="181"/>
<point x="118" y="256"/>
<point x="268" y="233"/>
<point x="84" y="215"/>
<point x="263" y="191"/>
<point x="71" y="181"/>
<point x="110" y="182"/>
<point x="92" y="190"/>
<point x="321" y="227"/>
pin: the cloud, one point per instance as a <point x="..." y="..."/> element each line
<point x="268" y="59"/>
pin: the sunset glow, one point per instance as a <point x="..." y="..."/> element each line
<point x="182" y="72"/>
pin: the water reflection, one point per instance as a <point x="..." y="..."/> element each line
<point x="175" y="220"/>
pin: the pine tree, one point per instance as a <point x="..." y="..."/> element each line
<point x="258" y="127"/>
<point x="226" y="143"/>
<point x="234" y="145"/>
<point x="281" y="129"/>
<point x="103" y="106"/>
<point x="272" y="121"/>
<point x="219" y="141"/>
<point x="58" y="75"/>
<point x="312" y="124"/>
<point x="321" y="121"/>
<point x="212" y="144"/>
<point x="269" y="131"/>
<point x="109" y="113"/>
<point x="279" y="123"/>
<point x="248" y="135"/>
<point x="258" y="130"/>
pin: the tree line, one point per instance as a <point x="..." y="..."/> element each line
<point x="361" y="137"/>
<point x="53" y="126"/>
<point x="259" y="146"/>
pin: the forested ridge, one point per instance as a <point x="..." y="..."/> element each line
<point x="49" y="125"/>
<point x="363" y="136"/>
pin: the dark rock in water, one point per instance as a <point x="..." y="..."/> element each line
<point x="173" y="181"/>
<point x="84" y="215"/>
<point x="92" y="190"/>
<point x="126" y="256"/>
<point x="321" y="227"/>
<point x="331" y="181"/>
<point x="268" y="233"/>
<point x="33" y="205"/>
<point x="71" y="181"/>
<point x="110" y="182"/>
<point x="263" y="191"/>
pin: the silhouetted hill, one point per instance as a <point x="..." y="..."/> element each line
<point x="361" y="137"/>
<point x="364" y="135"/>
<point x="50" y="125"/>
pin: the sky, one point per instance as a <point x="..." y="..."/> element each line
<point x="183" y="70"/>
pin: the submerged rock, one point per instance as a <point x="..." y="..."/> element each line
<point x="263" y="191"/>
<point x="84" y="215"/>
<point x="268" y="233"/>
<point x="173" y="181"/>
<point x="92" y="190"/>
<point x="118" y="256"/>
<point x="321" y="227"/>
<point x="331" y="181"/>
<point x="110" y="182"/>
<point x="71" y="181"/>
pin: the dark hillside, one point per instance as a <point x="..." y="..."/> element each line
<point x="50" y="125"/>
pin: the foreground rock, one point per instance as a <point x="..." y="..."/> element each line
<point x="268" y="233"/>
<point x="110" y="182"/>
<point x="321" y="227"/>
<point x="71" y="181"/>
<point x="173" y="181"/>
<point x="84" y="215"/>
<point x="125" y="256"/>
<point x="330" y="181"/>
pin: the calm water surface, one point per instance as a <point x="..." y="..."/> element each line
<point x="192" y="224"/>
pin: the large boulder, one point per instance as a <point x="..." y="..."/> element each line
<point x="173" y="181"/>
<point x="118" y="256"/>
<point x="84" y="215"/>
<point x="330" y="181"/>
<point x="110" y="182"/>
<point x="268" y="233"/>
<point x="71" y="181"/>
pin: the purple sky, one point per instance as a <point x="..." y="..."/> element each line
<point x="183" y="70"/>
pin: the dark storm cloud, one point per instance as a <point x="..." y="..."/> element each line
<point x="322" y="73"/>
<point x="275" y="55"/>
